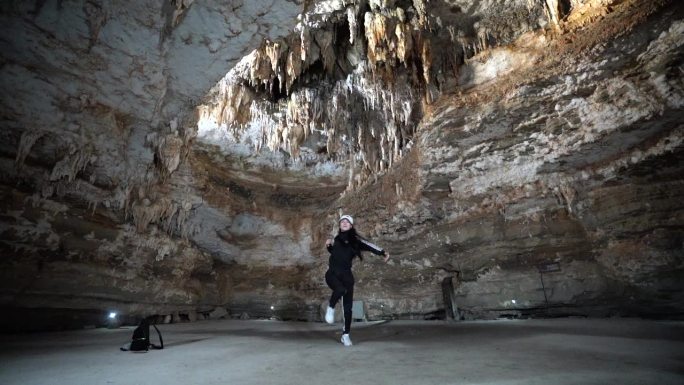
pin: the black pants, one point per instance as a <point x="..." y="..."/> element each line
<point x="342" y="285"/>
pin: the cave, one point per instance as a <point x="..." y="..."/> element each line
<point x="514" y="169"/>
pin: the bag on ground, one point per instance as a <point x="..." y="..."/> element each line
<point x="141" y="338"/>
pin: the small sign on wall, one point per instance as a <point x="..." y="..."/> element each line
<point x="549" y="267"/>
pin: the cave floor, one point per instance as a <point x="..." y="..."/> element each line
<point x="551" y="351"/>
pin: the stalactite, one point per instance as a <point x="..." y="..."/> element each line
<point x="293" y="66"/>
<point x="264" y="120"/>
<point x="170" y="215"/>
<point x="73" y="163"/>
<point x="426" y="56"/>
<point x="146" y="212"/>
<point x="324" y="40"/>
<point x="421" y="9"/>
<point x="169" y="150"/>
<point x="26" y="142"/>
<point x="305" y="38"/>
<point x="552" y="12"/>
<point x="352" y="19"/>
<point x="404" y="42"/>
<point x="261" y="72"/>
<point x="388" y="69"/>
<point x="272" y="51"/>
<point x="230" y="102"/>
<point x="375" y="25"/>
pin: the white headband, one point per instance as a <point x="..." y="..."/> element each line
<point x="347" y="217"/>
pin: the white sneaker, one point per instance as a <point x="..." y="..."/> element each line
<point x="330" y="315"/>
<point x="346" y="340"/>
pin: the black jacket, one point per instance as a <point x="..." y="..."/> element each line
<point x="342" y="251"/>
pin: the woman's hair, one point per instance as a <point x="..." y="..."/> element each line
<point x="354" y="240"/>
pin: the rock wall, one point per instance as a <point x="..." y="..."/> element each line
<point x="169" y="157"/>
<point x="567" y="160"/>
<point x="99" y="201"/>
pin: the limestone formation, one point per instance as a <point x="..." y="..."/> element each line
<point x="181" y="156"/>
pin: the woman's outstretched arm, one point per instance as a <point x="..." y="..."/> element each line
<point x="373" y="248"/>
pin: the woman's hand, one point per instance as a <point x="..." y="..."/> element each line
<point x="328" y="242"/>
<point x="386" y="256"/>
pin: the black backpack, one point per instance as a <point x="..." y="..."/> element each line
<point x="141" y="338"/>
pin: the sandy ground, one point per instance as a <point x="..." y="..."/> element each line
<point x="556" y="351"/>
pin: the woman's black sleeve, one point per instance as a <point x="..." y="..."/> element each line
<point x="368" y="246"/>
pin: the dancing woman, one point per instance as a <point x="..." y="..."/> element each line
<point x="346" y="245"/>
